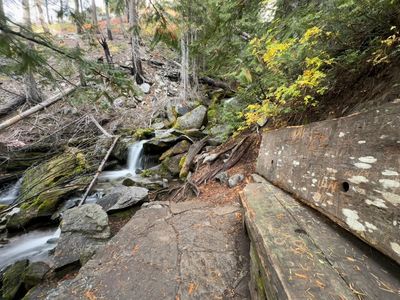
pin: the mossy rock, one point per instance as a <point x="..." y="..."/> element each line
<point x="181" y="147"/>
<point x="172" y="164"/>
<point x="3" y="207"/>
<point x="13" y="285"/>
<point x="44" y="186"/>
<point x="144" y="133"/>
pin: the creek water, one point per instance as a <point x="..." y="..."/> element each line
<point x="36" y="244"/>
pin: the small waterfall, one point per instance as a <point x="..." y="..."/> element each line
<point x="134" y="162"/>
<point x="9" y="195"/>
<point x="34" y="245"/>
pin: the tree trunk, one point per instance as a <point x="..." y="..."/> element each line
<point x="95" y="23"/>
<point x="61" y="11"/>
<point x="39" y="7"/>
<point x="109" y="34"/>
<point x="46" y="4"/>
<point x="121" y="24"/>
<point x="81" y="5"/>
<point x="2" y="14"/>
<point x="77" y="17"/>
<point x="185" y="82"/>
<point x="137" y="70"/>
<point x="31" y="91"/>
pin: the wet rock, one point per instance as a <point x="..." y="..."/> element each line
<point x="45" y="185"/>
<point x="235" y="180"/>
<point x="84" y="230"/>
<point x="145" y="87"/>
<point x="158" y="126"/>
<point x="181" y="147"/>
<point x="222" y="177"/>
<point x="193" y="119"/>
<point x="163" y="142"/>
<point x="148" y="183"/>
<point x="35" y="273"/>
<point x="122" y="197"/>
<point x="173" y="164"/>
<point x="13" y="280"/>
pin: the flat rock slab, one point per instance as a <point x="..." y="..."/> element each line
<point x="180" y="251"/>
<point x="303" y="255"/>
<point x="347" y="168"/>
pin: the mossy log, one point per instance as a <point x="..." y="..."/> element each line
<point x="46" y="185"/>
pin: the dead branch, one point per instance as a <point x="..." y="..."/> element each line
<point x="193" y="151"/>
<point x="99" y="170"/>
<point x="36" y="108"/>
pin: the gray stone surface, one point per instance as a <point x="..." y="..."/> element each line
<point x="84" y="229"/>
<point x="35" y="273"/>
<point x="222" y="177"/>
<point x="189" y="250"/>
<point x="122" y="197"/>
<point x="193" y="119"/>
<point x="148" y="183"/>
<point x="235" y="180"/>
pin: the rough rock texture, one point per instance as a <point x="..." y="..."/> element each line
<point x="121" y="197"/>
<point x="222" y="177"/>
<point x="181" y="147"/>
<point x="44" y="186"/>
<point x="35" y="272"/>
<point x="235" y="180"/>
<point x="13" y="279"/>
<point x="189" y="250"/>
<point x="193" y="119"/>
<point x="173" y="164"/>
<point x="83" y="230"/>
<point x="148" y="183"/>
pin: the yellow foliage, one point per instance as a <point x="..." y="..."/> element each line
<point x="310" y="33"/>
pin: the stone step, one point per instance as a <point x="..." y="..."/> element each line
<point x="297" y="253"/>
<point x="347" y="168"/>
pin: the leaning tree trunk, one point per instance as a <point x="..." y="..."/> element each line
<point x="31" y="91"/>
<point x="122" y="27"/>
<point x="46" y="4"/>
<point x="2" y="14"/>
<point x="109" y="34"/>
<point x="77" y="17"/>
<point x="185" y="83"/>
<point x="39" y="8"/>
<point x="137" y="69"/>
<point x="95" y="23"/>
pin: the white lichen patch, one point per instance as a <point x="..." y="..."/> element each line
<point x="329" y="194"/>
<point x="392" y="198"/>
<point x="390" y="173"/>
<point x="330" y="170"/>
<point x="368" y="159"/>
<point x="377" y="202"/>
<point x="296" y="163"/>
<point x="352" y="157"/>
<point x="358" y="179"/>
<point x="317" y="197"/>
<point x="314" y="180"/>
<point x="342" y="134"/>
<point x="289" y="181"/>
<point x="304" y="189"/>
<point x="395" y="247"/>
<point x="362" y="142"/>
<point x="383" y="136"/>
<point x="363" y="166"/>
<point x="329" y="202"/>
<point x="359" y="190"/>
<point x="370" y="227"/>
<point x="352" y="219"/>
<point x="389" y="184"/>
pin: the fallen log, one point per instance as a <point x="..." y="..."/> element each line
<point x="36" y="108"/>
<point x="346" y="168"/>
<point x="215" y="83"/>
<point x="193" y="151"/>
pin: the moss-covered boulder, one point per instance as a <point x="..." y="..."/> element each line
<point x="193" y="119"/>
<point x="46" y="185"/>
<point x="181" y="147"/>
<point x="143" y="133"/>
<point x="13" y="280"/>
<point x="172" y="164"/>
<point x="35" y="273"/>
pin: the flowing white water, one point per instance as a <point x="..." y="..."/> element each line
<point x="34" y="245"/>
<point x="9" y="195"/>
<point x="134" y="162"/>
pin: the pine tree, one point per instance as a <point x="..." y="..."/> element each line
<point x="109" y="33"/>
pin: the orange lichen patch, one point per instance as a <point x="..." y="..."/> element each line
<point x="192" y="288"/>
<point x="90" y="295"/>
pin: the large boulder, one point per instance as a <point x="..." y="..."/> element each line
<point x="13" y="280"/>
<point x="181" y="147"/>
<point x="173" y="164"/>
<point x="193" y="119"/>
<point x="35" y="273"/>
<point x="219" y="134"/>
<point x="122" y="197"/>
<point x="83" y="230"/>
<point x="46" y="185"/>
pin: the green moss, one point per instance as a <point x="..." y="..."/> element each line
<point x="143" y="133"/>
<point x="182" y="161"/>
<point x="147" y="173"/>
<point x="3" y="207"/>
<point x="13" y="279"/>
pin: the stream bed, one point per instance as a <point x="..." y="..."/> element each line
<point x="36" y="244"/>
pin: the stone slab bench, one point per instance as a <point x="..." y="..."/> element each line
<point x="347" y="168"/>
<point x="297" y="253"/>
